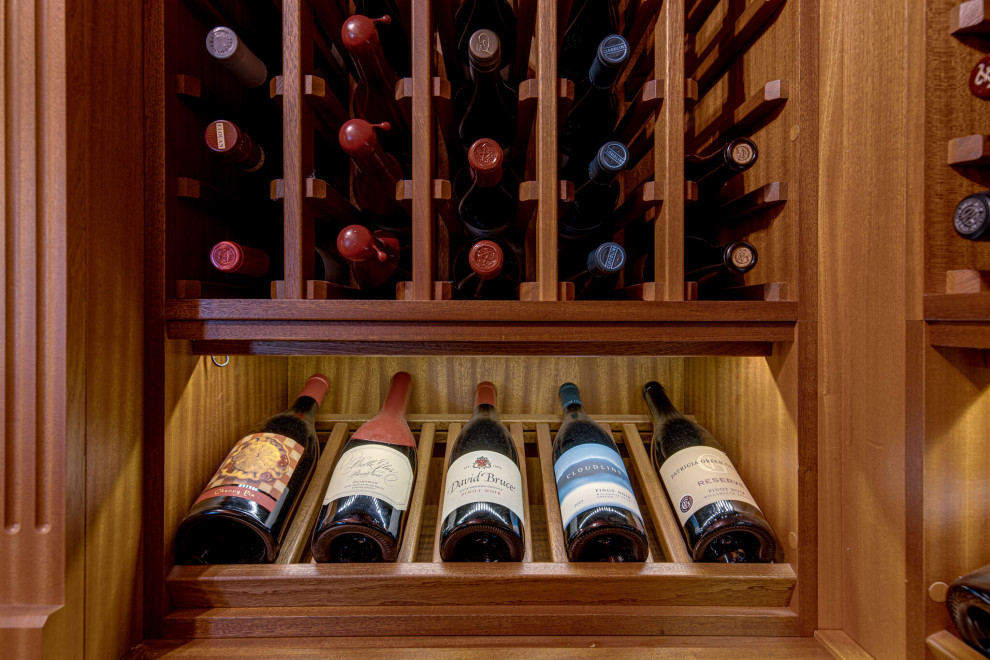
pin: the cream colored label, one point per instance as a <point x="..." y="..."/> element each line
<point x="221" y="141"/>
<point x="483" y="476"/>
<point x="374" y="470"/>
<point x="698" y="476"/>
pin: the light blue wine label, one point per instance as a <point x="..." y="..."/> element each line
<point x="590" y="476"/>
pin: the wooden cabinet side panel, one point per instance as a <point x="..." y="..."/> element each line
<point x="862" y="206"/>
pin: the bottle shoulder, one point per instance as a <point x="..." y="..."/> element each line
<point x="484" y="434"/>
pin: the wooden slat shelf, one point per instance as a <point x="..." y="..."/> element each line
<point x="943" y="645"/>
<point x="543" y="591"/>
<point x="957" y="307"/>
<point x="428" y="584"/>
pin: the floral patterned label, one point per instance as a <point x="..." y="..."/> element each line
<point x="258" y="468"/>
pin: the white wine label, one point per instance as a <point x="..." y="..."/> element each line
<point x="483" y="476"/>
<point x="374" y="470"/>
<point x="698" y="476"/>
<point x="589" y="476"/>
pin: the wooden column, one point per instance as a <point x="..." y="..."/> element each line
<point x="32" y="324"/>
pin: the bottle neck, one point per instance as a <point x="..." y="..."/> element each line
<point x="398" y="396"/>
<point x="372" y="69"/>
<point x="378" y="165"/>
<point x="305" y="408"/>
<point x="661" y="408"/>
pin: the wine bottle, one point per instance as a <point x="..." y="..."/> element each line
<point x="236" y="259"/>
<point x="596" y="110"/>
<point x="486" y="106"/>
<point x="376" y="173"/>
<point x="241" y="516"/>
<point x="972" y="217"/>
<point x="494" y="16"/>
<point x="968" y="601"/>
<point x="713" y="171"/>
<point x="601" y="272"/>
<point x="702" y="259"/>
<point x="599" y="512"/>
<point x="374" y="94"/>
<point x="372" y="256"/>
<point x="394" y="36"/>
<point x="483" y="516"/>
<point x="486" y="270"/>
<point x="235" y="146"/>
<point x="719" y="517"/>
<point x="590" y="22"/>
<point x="488" y="193"/>
<point x="225" y="46"/>
<point x="596" y="196"/>
<point x="366" y="501"/>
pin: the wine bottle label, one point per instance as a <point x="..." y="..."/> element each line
<point x="698" y="476"/>
<point x="483" y="476"/>
<point x="589" y="476"/>
<point x="258" y="468"/>
<point x="374" y="470"/>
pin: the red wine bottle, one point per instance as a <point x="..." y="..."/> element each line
<point x="374" y="94"/>
<point x="486" y="270"/>
<point x="483" y="516"/>
<point x="719" y="517"/>
<point x="972" y="217"/>
<point x="236" y="259"/>
<point x="242" y="515"/>
<point x="968" y="601"/>
<point x="235" y="146"/>
<point x="598" y="509"/>
<point x="601" y="272"/>
<point x="488" y="192"/>
<point x="394" y="38"/>
<point x="376" y="173"/>
<point x="596" y="109"/>
<point x="366" y="501"/>
<point x="373" y="256"/>
<point x="713" y="171"/>
<point x="486" y="106"/>
<point x="596" y="195"/>
<point x="495" y="16"/>
<point x="703" y="260"/>
<point x="590" y="22"/>
<point x="225" y="46"/>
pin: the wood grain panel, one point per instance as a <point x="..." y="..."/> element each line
<point x="956" y="465"/>
<point x="477" y="620"/>
<point x="434" y="584"/>
<point x="772" y="55"/>
<point x="526" y="385"/>
<point x="479" y="648"/>
<point x="950" y="112"/>
<point x="862" y="181"/>
<point x="33" y="325"/>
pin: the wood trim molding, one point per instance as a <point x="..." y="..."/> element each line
<point x="32" y="322"/>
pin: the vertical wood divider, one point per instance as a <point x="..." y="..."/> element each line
<point x="668" y="151"/>
<point x="664" y="520"/>
<point x="555" y="527"/>
<point x="297" y="538"/>
<point x="422" y="151"/>
<point x="546" y="150"/>
<point x="518" y="440"/>
<point x="297" y="132"/>
<point x="414" y="523"/>
<point x="452" y="430"/>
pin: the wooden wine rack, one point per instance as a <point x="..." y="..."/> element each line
<point x="542" y="593"/>
<point x="662" y="118"/>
